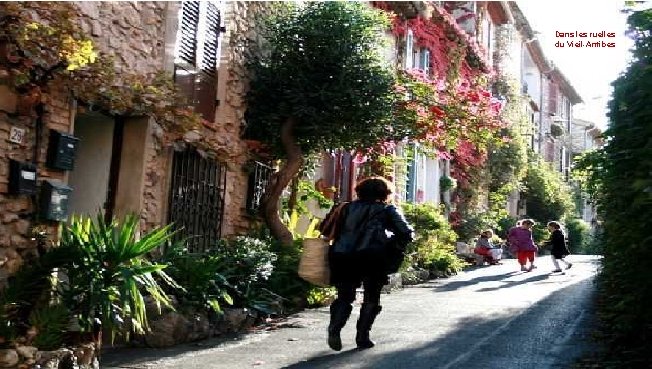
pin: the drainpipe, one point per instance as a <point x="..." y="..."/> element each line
<point x="38" y="131"/>
<point x="41" y="238"/>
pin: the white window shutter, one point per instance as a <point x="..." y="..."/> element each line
<point x="409" y="50"/>
<point x="425" y="64"/>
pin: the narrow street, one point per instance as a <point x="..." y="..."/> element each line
<point x="487" y="317"/>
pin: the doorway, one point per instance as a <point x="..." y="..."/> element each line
<point x="93" y="181"/>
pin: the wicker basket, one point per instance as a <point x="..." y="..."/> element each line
<point x="313" y="266"/>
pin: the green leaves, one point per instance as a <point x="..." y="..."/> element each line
<point x="109" y="276"/>
<point x="618" y="179"/>
<point x="548" y="196"/>
<point x="324" y="69"/>
<point x="433" y="247"/>
<point x="46" y="42"/>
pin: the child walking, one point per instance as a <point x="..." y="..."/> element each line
<point x="559" y="250"/>
<point x="520" y="239"/>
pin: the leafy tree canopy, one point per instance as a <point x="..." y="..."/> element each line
<point x="324" y="69"/>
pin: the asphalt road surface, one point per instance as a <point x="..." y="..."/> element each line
<point x="488" y="317"/>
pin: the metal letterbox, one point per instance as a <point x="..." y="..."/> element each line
<point x="54" y="200"/>
<point x="61" y="150"/>
<point x="22" y="178"/>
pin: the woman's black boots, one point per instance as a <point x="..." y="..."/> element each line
<point x="340" y="312"/>
<point x="368" y="313"/>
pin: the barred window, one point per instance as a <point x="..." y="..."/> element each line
<point x="196" y="199"/>
<point x="259" y="175"/>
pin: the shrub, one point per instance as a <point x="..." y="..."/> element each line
<point x="434" y="245"/>
<point x="51" y="323"/>
<point x="504" y="225"/>
<point x="233" y="272"/>
<point x="284" y="280"/>
<point x="320" y="296"/>
<point x="29" y="289"/>
<point x="247" y="260"/>
<point x="200" y="275"/>
<point x="620" y="183"/>
<point x="579" y="236"/>
<point x="540" y="234"/>
<point x="471" y="224"/>
<point x="447" y="183"/>
<point x="547" y="195"/>
<point x="248" y="263"/>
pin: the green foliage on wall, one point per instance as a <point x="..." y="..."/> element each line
<point x="548" y="196"/>
<point x="579" y="236"/>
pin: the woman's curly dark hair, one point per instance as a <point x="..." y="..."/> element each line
<point x="374" y="189"/>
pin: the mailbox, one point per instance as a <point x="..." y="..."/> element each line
<point x="54" y="200"/>
<point x="22" y="178"/>
<point x="61" y="150"/>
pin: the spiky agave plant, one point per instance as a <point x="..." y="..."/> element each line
<point x="110" y="275"/>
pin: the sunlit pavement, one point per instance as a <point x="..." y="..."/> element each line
<point x="486" y="317"/>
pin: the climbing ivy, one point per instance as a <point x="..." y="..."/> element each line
<point x="42" y="45"/>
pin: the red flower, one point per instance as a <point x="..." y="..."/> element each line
<point x="437" y="111"/>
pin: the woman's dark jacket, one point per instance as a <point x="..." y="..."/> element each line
<point x="558" y="244"/>
<point x="354" y="254"/>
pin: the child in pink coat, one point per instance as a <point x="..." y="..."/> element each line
<point x="520" y="239"/>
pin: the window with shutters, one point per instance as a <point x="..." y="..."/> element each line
<point x="425" y="62"/>
<point x="196" y="54"/>
<point x="409" y="50"/>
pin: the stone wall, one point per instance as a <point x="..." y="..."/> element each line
<point x="17" y="212"/>
<point x="238" y="44"/>
<point x="223" y="137"/>
<point x="138" y="36"/>
<point x="131" y="32"/>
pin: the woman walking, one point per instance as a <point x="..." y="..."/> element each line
<point x="363" y="254"/>
<point x="558" y="250"/>
<point x="520" y="239"/>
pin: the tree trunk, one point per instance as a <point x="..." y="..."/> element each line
<point x="279" y="181"/>
<point x="294" y="192"/>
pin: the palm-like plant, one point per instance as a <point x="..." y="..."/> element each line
<point x="203" y="276"/>
<point x="109" y="274"/>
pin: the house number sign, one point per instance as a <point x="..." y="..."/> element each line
<point x="16" y="135"/>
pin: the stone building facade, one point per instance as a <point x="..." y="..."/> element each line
<point x="123" y="164"/>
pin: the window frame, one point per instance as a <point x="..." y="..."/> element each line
<point x="409" y="49"/>
<point x="197" y="74"/>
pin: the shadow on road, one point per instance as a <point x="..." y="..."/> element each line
<point x="325" y="360"/>
<point x="536" y="338"/>
<point x="510" y="339"/>
<point x="452" y="286"/>
<point x="133" y="356"/>
<point x="509" y="284"/>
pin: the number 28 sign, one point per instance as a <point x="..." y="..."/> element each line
<point x="16" y="135"/>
